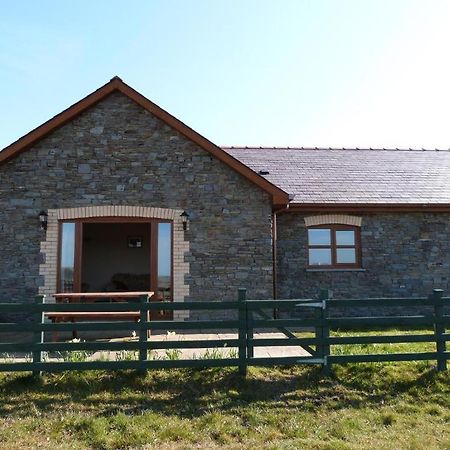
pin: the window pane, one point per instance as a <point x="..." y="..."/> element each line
<point x="346" y="237"/>
<point x="165" y="260"/>
<point x="319" y="236"/>
<point x="67" y="261"/>
<point x="346" y="256"/>
<point x="319" y="256"/>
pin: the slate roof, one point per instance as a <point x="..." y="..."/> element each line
<point x="353" y="176"/>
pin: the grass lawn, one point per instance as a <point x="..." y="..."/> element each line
<point x="365" y="406"/>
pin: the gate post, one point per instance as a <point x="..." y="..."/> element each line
<point x="38" y="335"/>
<point x="439" y="328"/>
<point x="242" y="335"/>
<point x="324" y="331"/>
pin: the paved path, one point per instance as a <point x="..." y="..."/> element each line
<point x="190" y="353"/>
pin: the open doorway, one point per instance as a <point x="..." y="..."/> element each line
<point x="115" y="257"/>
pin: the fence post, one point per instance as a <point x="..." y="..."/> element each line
<point x="324" y="331"/>
<point x="242" y="336"/>
<point x="38" y="336"/>
<point x="250" y="334"/>
<point x="143" y="332"/>
<point x="439" y="328"/>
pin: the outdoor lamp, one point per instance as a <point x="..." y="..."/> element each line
<point x="185" y="219"/>
<point x="43" y="220"/>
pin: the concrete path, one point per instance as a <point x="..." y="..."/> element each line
<point x="188" y="353"/>
<point x="224" y="352"/>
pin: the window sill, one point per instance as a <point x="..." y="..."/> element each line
<point x="349" y="269"/>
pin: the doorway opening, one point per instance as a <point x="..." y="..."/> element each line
<point x="116" y="255"/>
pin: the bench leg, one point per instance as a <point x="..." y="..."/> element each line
<point x="74" y="332"/>
<point x="55" y="334"/>
<point x="149" y="318"/>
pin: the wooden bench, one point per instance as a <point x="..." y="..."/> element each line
<point x="80" y="316"/>
<point x="58" y="317"/>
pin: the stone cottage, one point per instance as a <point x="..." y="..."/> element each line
<point x="116" y="194"/>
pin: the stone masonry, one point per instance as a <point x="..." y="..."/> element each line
<point x="118" y="154"/>
<point x="403" y="255"/>
<point x="116" y="159"/>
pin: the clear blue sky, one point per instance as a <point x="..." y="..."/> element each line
<point x="299" y="73"/>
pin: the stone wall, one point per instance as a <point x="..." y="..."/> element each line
<point x="403" y="255"/>
<point x="116" y="153"/>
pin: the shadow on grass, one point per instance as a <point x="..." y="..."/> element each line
<point x="192" y="393"/>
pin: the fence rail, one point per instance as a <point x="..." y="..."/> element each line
<point x="315" y="314"/>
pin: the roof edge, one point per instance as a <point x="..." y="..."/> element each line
<point x="116" y="84"/>
<point x="368" y="207"/>
<point x="57" y="121"/>
<point x="278" y="195"/>
<point x="368" y="149"/>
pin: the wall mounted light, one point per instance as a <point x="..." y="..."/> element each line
<point x="43" y="216"/>
<point x="185" y="219"/>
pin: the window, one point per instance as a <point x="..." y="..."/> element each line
<point x="335" y="246"/>
<point x="164" y="284"/>
<point x="67" y="257"/>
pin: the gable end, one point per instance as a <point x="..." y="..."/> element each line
<point x="279" y="197"/>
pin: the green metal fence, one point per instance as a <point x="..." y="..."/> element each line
<point x="252" y="316"/>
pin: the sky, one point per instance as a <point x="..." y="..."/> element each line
<point x="320" y="73"/>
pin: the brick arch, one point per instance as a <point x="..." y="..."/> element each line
<point x="341" y="219"/>
<point x="117" y="211"/>
<point x="49" y="247"/>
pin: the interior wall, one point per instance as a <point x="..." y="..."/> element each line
<point x="106" y="253"/>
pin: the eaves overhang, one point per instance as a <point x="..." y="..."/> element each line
<point x="369" y="207"/>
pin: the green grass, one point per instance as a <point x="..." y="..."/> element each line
<point x="365" y="406"/>
<point x="361" y="349"/>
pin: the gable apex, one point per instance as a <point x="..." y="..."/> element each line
<point x="279" y="197"/>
